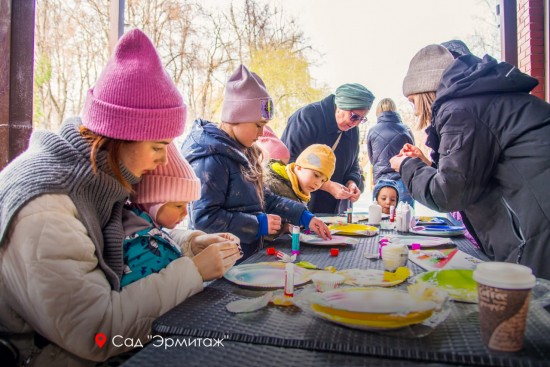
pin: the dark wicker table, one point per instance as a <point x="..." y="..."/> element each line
<point x="290" y="335"/>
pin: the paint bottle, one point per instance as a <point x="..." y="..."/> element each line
<point x="392" y="213"/>
<point x="375" y="213"/>
<point x="349" y="215"/>
<point x="289" y="280"/>
<point x="295" y="240"/>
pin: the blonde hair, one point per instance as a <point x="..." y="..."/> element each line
<point x="385" y="105"/>
<point x="112" y="146"/>
<point x="254" y="173"/>
<point x="423" y="104"/>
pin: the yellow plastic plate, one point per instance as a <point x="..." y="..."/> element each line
<point x="353" y="229"/>
<point x="371" y="308"/>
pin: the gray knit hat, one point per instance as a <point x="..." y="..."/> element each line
<point x="426" y="69"/>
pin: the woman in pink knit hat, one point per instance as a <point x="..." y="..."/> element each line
<point x="159" y="204"/>
<point x="61" y="230"/>
<point x="227" y="161"/>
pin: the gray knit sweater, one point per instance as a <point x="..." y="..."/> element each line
<point x="60" y="164"/>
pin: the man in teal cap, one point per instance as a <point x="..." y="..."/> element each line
<point x="333" y="121"/>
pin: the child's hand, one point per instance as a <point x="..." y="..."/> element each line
<point x="201" y="242"/>
<point x="216" y="259"/>
<point x="319" y="227"/>
<point x="273" y="223"/>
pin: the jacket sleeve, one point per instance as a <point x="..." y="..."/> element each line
<point x="286" y="208"/>
<point x="52" y="279"/>
<point x="468" y="156"/>
<point x="208" y="213"/>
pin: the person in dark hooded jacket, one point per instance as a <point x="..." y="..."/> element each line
<point x="491" y="139"/>
<point x="384" y="140"/>
<point x="333" y="121"/>
<point x="227" y="161"/>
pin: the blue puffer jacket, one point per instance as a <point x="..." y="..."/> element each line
<point x="228" y="202"/>
<point x="385" y="140"/>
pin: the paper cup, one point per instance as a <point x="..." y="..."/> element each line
<point x="504" y="291"/>
<point x="327" y="281"/>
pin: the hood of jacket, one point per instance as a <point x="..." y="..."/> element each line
<point x="207" y="139"/>
<point x="469" y="75"/>
<point x="384" y="183"/>
<point x="388" y="117"/>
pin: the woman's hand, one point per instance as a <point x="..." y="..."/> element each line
<point x="412" y="151"/>
<point x="396" y="162"/>
<point x="337" y="190"/>
<point x="216" y="259"/>
<point x="353" y="190"/>
<point x="319" y="227"/>
<point x="201" y="242"/>
<point x="273" y="223"/>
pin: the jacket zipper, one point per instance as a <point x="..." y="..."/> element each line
<point x="517" y="229"/>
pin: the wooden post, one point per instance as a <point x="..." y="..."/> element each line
<point x="16" y="77"/>
<point x="116" y="15"/>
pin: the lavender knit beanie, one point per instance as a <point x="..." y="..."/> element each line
<point x="246" y="98"/>
<point x="134" y="98"/>
<point x="175" y="181"/>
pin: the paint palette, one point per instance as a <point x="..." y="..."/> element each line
<point x="424" y="221"/>
<point x="375" y="277"/>
<point x="265" y="275"/>
<point x="438" y="230"/>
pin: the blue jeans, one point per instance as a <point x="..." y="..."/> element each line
<point x="404" y="194"/>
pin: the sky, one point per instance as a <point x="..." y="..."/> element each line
<point x="372" y="41"/>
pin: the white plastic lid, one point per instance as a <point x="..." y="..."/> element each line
<point x="295" y="230"/>
<point x="504" y="275"/>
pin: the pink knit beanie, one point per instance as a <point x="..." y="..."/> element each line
<point x="273" y="146"/>
<point x="175" y="181"/>
<point x="246" y="98"/>
<point x="134" y="98"/>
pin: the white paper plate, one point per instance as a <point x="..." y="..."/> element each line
<point x="424" y="241"/>
<point x="265" y="275"/>
<point x="312" y="239"/>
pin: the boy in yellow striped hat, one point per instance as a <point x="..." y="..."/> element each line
<point x="297" y="180"/>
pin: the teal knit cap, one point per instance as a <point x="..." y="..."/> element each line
<point x="353" y="97"/>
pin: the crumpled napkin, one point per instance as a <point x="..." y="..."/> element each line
<point x="249" y="304"/>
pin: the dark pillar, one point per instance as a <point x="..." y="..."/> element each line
<point x="16" y="76"/>
<point x="509" y="31"/>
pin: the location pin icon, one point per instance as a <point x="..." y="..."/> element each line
<point x="100" y="339"/>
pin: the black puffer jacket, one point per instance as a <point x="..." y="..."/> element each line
<point x="384" y="140"/>
<point x="493" y="139"/>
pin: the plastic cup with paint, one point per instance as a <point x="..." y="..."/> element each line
<point x="504" y="291"/>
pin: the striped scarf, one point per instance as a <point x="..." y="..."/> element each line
<point x="60" y="164"/>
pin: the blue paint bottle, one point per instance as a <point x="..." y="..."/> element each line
<point x="295" y="240"/>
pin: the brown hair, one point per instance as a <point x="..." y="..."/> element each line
<point x="254" y="173"/>
<point x="112" y="146"/>
<point x="385" y="105"/>
<point x="423" y="104"/>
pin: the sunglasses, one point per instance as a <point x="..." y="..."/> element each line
<point x="355" y="117"/>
